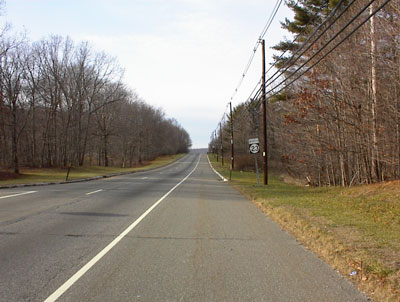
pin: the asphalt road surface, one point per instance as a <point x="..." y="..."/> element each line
<point x="177" y="233"/>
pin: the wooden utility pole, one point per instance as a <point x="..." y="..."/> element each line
<point x="216" y="143"/>
<point x="264" y="108"/>
<point x="222" y="146"/>
<point x="232" y="148"/>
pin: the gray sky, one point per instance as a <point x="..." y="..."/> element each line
<point x="185" y="56"/>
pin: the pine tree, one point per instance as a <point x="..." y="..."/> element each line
<point x="308" y="14"/>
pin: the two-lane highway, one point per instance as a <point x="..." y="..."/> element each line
<point x="177" y="233"/>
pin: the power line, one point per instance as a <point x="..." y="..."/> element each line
<point x="331" y="15"/>
<point x="315" y="15"/>
<point x="352" y="20"/>
<point x="323" y="47"/>
<point x="337" y="45"/>
<point x="263" y="33"/>
<point x="271" y="18"/>
<point x="281" y="56"/>
<point x="223" y="117"/>
<point x="327" y="43"/>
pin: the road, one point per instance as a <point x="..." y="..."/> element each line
<point x="177" y="233"/>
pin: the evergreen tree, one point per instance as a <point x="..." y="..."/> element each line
<point x="308" y="15"/>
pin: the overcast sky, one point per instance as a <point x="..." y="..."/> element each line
<point x="184" y="56"/>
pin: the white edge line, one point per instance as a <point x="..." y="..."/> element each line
<point x="19" y="194"/>
<point x="94" y="192"/>
<point x="63" y="288"/>
<point x="223" y="178"/>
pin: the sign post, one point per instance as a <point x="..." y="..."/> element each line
<point x="254" y="148"/>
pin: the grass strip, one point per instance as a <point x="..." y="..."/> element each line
<point x="356" y="230"/>
<point x="46" y="175"/>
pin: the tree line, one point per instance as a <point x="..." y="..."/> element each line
<point x="339" y="123"/>
<point x="63" y="103"/>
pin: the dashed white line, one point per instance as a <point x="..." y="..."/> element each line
<point x="90" y="193"/>
<point x="61" y="290"/>
<point x="18" y="194"/>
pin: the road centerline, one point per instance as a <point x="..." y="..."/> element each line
<point x="63" y="288"/>
<point x="18" y="194"/>
<point x="90" y="193"/>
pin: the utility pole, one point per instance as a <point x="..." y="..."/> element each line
<point x="264" y="108"/>
<point x="222" y="146"/>
<point x="210" y="145"/>
<point x="232" y="149"/>
<point x="216" y="143"/>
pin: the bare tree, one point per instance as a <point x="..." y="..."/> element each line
<point x="12" y="69"/>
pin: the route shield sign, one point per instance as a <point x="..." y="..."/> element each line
<point x="254" y="145"/>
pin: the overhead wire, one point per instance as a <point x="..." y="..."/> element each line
<point x="222" y="118"/>
<point x="281" y="56"/>
<point x="329" y="42"/>
<point x="337" y="45"/>
<point x="277" y="5"/>
<point x="253" y="53"/>
<point x="323" y="47"/>
<point x="286" y="66"/>
<point x="352" y="20"/>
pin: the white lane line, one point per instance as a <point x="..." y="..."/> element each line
<point x="19" y="194"/>
<point x="223" y="178"/>
<point x="63" y="288"/>
<point x="90" y="193"/>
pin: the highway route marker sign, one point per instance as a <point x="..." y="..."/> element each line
<point x="254" y="145"/>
